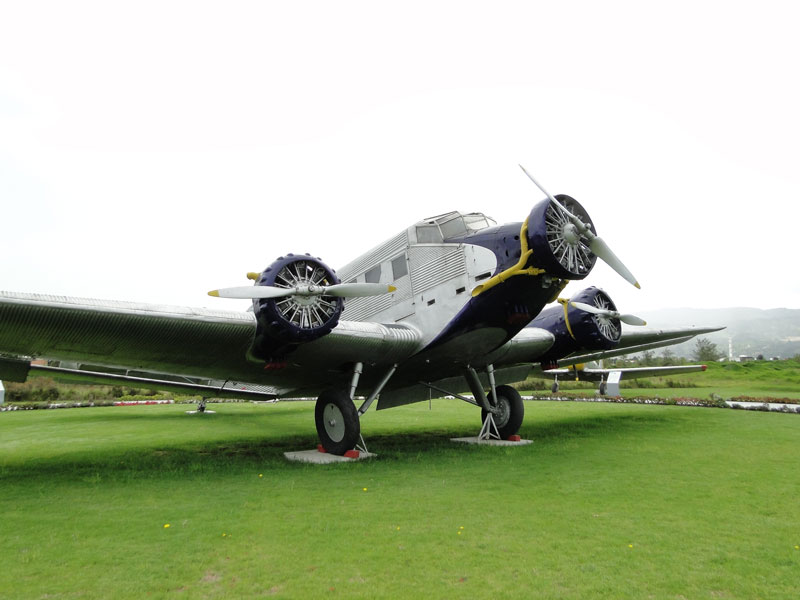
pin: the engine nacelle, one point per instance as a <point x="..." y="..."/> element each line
<point x="556" y="242"/>
<point x="291" y="320"/>
<point x="575" y="329"/>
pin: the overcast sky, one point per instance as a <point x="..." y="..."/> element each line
<point x="152" y="151"/>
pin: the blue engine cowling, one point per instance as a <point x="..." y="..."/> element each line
<point x="575" y="329"/>
<point x="285" y="322"/>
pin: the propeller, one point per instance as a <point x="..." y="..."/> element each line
<point x="339" y="290"/>
<point x="610" y="314"/>
<point x="596" y="244"/>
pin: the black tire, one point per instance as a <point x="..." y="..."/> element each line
<point x="512" y="411"/>
<point x="554" y="388"/>
<point x="602" y="389"/>
<point x="338" y="426"/>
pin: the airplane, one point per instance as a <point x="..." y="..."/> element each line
<point x="446" y="305"/>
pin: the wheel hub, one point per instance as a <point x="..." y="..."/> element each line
<point x="501" y="412"/>
<point x="334" y="422"/>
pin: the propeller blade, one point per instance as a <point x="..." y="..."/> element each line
<point x="589" y="308"/>
<point x="580" y="224"/>
<point x="596" y="244"/>
<point x="603" y="252"/>
<point x="632" y="320"/>
<point x="358" y="290"/>
<point x="628" y="319"/>
<point x="340" y="290"/>
<point x="253" y="292"/>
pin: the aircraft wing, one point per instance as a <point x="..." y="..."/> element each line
<point x="640" y="340"/>
<point x="187" y="348"/>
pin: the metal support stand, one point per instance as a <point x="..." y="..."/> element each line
<point x="489" y="429"/>
<point x="201" y="408"/>
<point x="362" y="446"/>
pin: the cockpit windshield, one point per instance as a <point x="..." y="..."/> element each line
<point x="451" y="225"/>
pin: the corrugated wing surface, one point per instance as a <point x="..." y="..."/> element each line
<point x="127" y="334"/>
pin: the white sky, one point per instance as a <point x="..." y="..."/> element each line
<point x="152" y="151"/>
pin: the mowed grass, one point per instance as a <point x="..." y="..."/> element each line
<point x="610" y="501"/>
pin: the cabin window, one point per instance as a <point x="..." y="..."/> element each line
<point x="373" y="275"/>
<point x="399" y="267"/>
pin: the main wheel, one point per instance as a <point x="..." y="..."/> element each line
<point x="337" y="422"/>
<point x="510" y="411"/>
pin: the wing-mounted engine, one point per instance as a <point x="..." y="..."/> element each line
<point x="578" y="329"/>
<point x="297" y="299"/>
<point x="288" y="320"/>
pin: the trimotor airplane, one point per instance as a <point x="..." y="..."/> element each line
<point x="449" y="304"/>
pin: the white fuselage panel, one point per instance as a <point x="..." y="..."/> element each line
<point x="433" y="280"/>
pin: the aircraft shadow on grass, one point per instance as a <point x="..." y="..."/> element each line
<point x="260" y="454"/>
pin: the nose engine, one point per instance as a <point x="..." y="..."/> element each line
<point x="559" y="246"/>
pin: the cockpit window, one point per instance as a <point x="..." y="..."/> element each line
<point x="429" y="234"/>
<point x="451" y="225"/>
<point x="477" y="221"/>
<point x="454" y="227"/>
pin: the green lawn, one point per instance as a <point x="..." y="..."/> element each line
<point x="610" y="501"/>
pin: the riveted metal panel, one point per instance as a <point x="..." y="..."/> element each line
<point x="373" y="342"/>
<point x="361" y="309"/>
<point x="444" y="264"/>
<point x="126" y="334"/>
<point x="388" y="250"/>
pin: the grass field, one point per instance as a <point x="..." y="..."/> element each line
<point x="610" y="501"/>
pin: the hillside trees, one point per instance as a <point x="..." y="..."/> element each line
<point x="706" y="351"/>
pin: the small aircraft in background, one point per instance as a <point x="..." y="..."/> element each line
<point x="452" y="303"/>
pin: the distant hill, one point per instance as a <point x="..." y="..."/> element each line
<point x="773" y="333"/>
